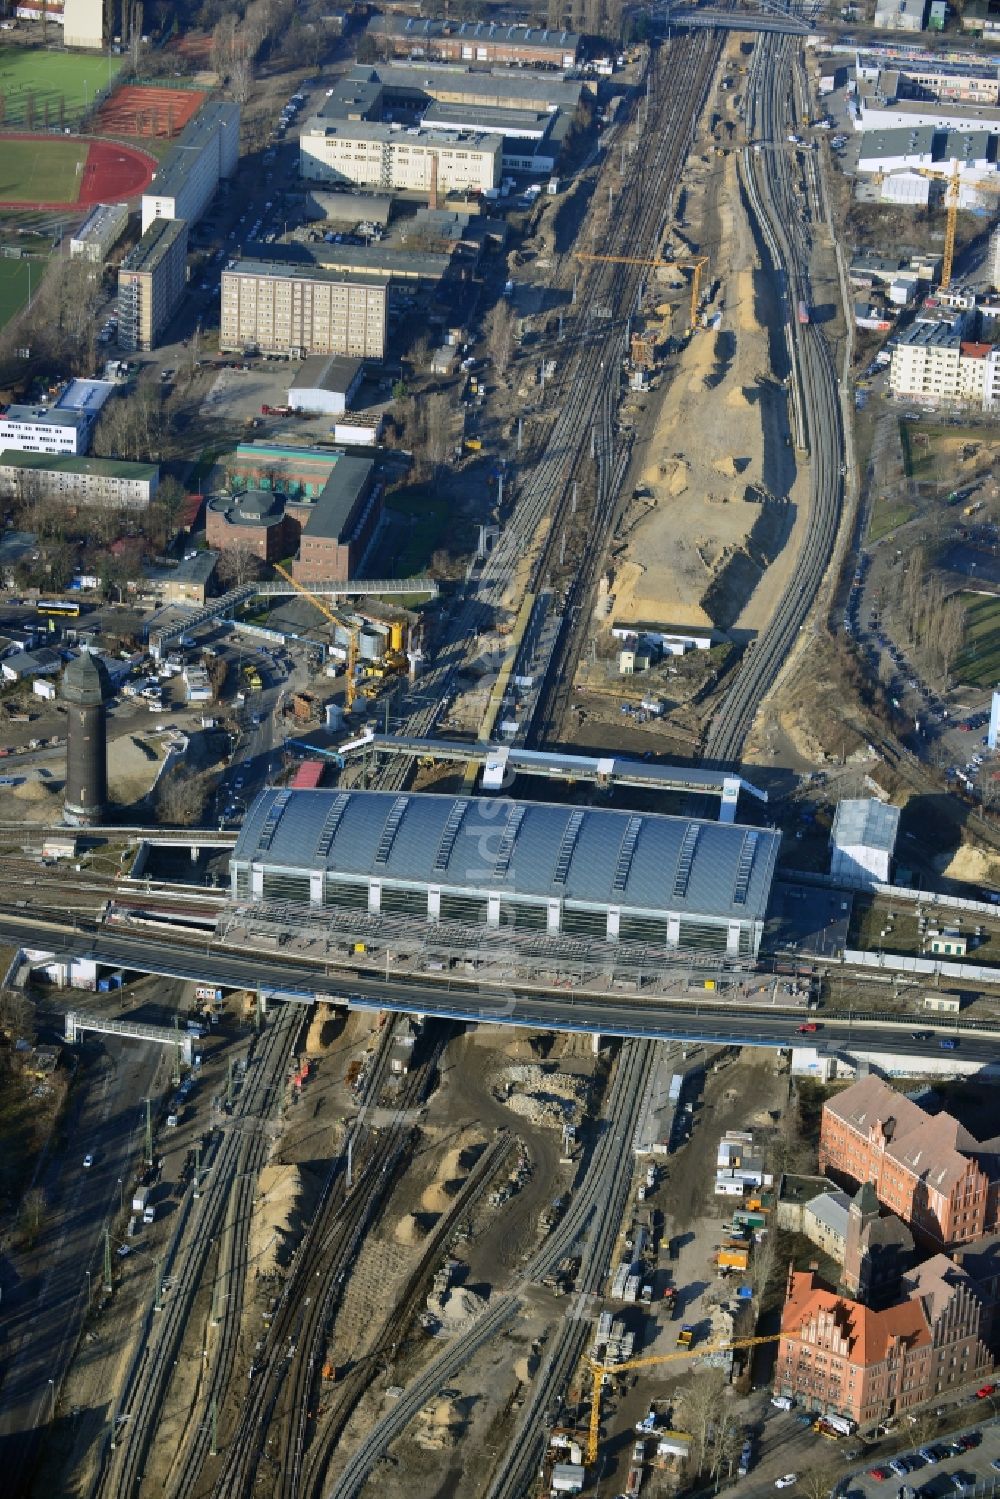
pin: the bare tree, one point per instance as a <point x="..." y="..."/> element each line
<point x="950" y="632"/>
<point x="818" y="1482"/>
<point x="181" y="797"/>
<point x="438" y="423"/>
<point x="239" y="564"/>
<point x="700" y="1403"/>
<point x="501" y="340"/>
<point x="32" y="1214"/>
<point x="16" y="1012"/>
<point x="241" y="79"/>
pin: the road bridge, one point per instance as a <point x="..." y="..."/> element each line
<point x="686" y="1018"/>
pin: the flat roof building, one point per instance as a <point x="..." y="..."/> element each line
<point x="387" y="156"/>
<point x="414" y="84"/>
<point x="45" y="429"/>
<point x="207" y="150"/>
<point x="862" y="841"/>
<point x="338" y="527"/>
<point x="671" y="883"/>
<point x="296" y="310"/>
<point x="151" y="281"/>
<point x="81" y="481"/>
<point x="326" y="386"/>
<point x="100" y="232"/>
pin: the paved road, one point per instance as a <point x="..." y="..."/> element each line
<point x="44" y="1296"/>
<point x="201" y="962"/>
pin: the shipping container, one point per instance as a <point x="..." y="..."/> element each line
<point x="803" y="312"/>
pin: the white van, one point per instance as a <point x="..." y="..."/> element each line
<point x="782" y="1402"/>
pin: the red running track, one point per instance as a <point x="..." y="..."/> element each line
<point x="111" y="173"/>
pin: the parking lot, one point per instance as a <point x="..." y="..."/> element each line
<point x="954" y="1472"/>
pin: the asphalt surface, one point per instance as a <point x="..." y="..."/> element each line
<point x="45" y="1293"/>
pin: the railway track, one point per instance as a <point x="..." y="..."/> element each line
<point x="353" y="1384"/>
<point x="591" y="1222"/>
<point x="200" y="1221"/>
<point x="778" y="210"/>
<point x="269" y="1444"/>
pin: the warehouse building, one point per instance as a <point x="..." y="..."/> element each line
<point x="79" y="481"/>
<point x="326" y="387"/>
<point x="862" y="842"/>
<point x="206" y="151"/>
<point x="299" y="310"/>
<point x="668" y="882"/>
<point x="387" y="156"/>
<point x="151" y="281"/>
<point x="474" y="41"/>
<point x="99" y="233"/>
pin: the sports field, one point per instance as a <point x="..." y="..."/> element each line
<point x="33" y="79"/>
<point x="14" y="282"/>
<point x="57" y="171"/>
<point x="41" y="169"/>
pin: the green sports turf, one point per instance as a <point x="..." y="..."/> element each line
<point x="33" y="72"/>
<point x="14" y="286"/>
<point x="45" y="169"/>
<point x="979" y="660"/>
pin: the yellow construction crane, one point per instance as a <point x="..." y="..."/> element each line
<point x="695" y="264"/>
<point x="952" y="194"/>
<point x="353" y="631"/>
<point x="599" y="1371"/>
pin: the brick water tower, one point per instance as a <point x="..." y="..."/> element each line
<point x="86" y="689"/>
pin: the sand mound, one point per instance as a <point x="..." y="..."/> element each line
<point x="726" y="467"/>
<point x="542" y="1096"/>
<point x="526" y="1368"/>
<point x="36" y="791"/>
<point x="281" y="1206"/>
<point x="414" y="1227"/>
<point x="972" y="864"/>
<point x="322" y="1030"/>
<point x="438" y="1197"/>
<point x="675" y="472"/>
<point x="737" y="396"/>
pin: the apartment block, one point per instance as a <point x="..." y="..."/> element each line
<point x="80" y="481"/>
<point x="388" y="157"/>
<point x="151" y="282"/>
<point x="927" y="1169"/>
<point x="207" y="150"/>
<point x="302" y="310"/>
<point x="933" y="364"/>
<point x="841" y="1358"/>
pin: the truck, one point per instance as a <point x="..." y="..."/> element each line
<point x="841" y="1424"/>
<point x="803" y="312"/>
<point x="148" y="1213"/>
<point x="685" y="1338"/>
<point x="139" y="1199"/>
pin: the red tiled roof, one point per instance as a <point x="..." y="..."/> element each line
<point x="976" y="351"/>
<point x="868" y="1333"/>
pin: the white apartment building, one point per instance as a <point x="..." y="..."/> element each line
<point x="100" y="232"/>
<point x="302" y="310"/>
<point x="44" y="429"/>
<point x="207" y="149"/>
<point x="393" y="157"/>
<point x="934" y="365"/>
<point x="81" y="481"/>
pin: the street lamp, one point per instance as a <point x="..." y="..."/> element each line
<point x="121" y="1196"/>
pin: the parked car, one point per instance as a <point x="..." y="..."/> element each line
<point x="786" y="1481"/>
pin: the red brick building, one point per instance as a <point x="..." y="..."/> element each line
<point x="841" y="1358"/>
<point x="441" y="40"/>
<point x="254" y="520"/>
<point x="927" y="1169"/>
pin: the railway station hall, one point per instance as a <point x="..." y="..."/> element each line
<point x="674" y="883"/>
